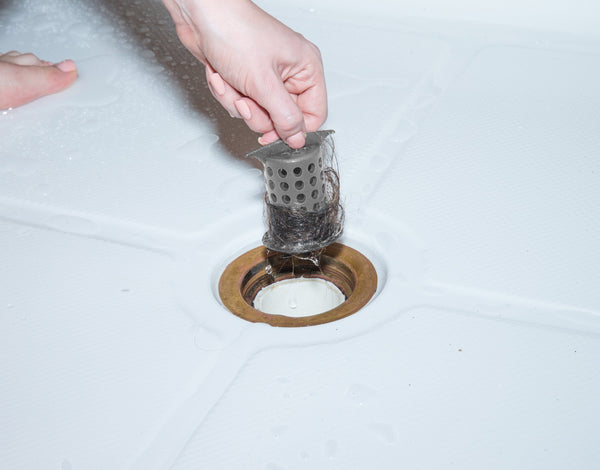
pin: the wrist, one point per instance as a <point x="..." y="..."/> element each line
<point x="204" y="12"/>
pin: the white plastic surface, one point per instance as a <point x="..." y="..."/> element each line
<point x="299" y="297"/>
<point x="469" y="156"/>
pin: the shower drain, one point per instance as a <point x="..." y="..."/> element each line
<point x="348" y="269"/>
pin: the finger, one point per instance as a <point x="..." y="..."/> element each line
<point x="287" y="117"/>
<point x="223" y="93"/>
<point x="255" y="117"/>
<point x="313" y="103"/>
<point x="237" y="105"/>
<point x="311" y="91"/>
<point x="268" y="137"/>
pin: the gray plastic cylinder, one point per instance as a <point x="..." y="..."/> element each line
<point x="295" y="178"/>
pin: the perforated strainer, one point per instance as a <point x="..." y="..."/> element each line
<point x="302" y="194"/>
<point x="294" y="178"/>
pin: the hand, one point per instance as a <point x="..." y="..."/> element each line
<point x="24" y="78"/>
<point x="256" y="67"/>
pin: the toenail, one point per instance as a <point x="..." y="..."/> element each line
<point x="66" y="66"/>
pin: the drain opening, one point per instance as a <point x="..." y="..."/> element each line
<point x="255" y="274"/>
<point x="299" y="297"/>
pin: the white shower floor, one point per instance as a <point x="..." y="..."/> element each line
<point x="470" y="169"/>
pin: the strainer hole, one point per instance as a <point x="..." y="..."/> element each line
<point x="269" y="171"/>
<point x="300" y="197"/>
<point x="271" y="185"/>
<point x="282" y="173"/>
<point x="315" y="194"/>
<point x="313" y="181"/>
<point x="299" y="185"/>
<point x="273" y="197"/>
<point x="311" y="168"/>
<point x="284" y="186"/>
<point x="286" y="199"/>
<point x="298" y="171"/>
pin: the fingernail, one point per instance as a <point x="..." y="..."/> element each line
<point x="260" y="141"/>
<point x="243" y="109"/>
<point x="66" y="66"/>
<point x="217" y="83"/>
<point x="297" y="140"/>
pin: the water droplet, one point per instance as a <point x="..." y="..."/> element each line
<point x="72" y="224"/>
<point x="206" y="340"/>
<point x="293" y="301"/>
<point x="273" y="466"/>
<point x="41" y="189"/>
<point x="425" y="100"/>
<point x="404" y="131"/>
<point x="384" y="431"/>
<point x="42" y="23"/>
<point x="360" y="394"/>
<point x="19" y="165"/>
<point x="197" y="149"/>
<point x="331" y="448"/>
<point x="81" y="30"/>
<point x="92" y="125"/>
<point x="278" y="431"/>
<point x="387" y="241"/>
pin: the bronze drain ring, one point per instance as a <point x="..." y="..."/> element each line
<point x="351" y="272"/>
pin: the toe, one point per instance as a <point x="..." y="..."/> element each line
<point x="21" y="84"/>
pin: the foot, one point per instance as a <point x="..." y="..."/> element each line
<point x="24" y="78"/>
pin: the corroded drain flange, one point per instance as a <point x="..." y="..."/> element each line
<point x="345" y="267"/>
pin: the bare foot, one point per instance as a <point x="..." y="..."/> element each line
<point x="24" y="78"/>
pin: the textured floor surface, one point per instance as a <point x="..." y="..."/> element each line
<point x="470" y="167"/>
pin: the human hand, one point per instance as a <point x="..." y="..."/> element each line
<point x="24" y="78"/>
<point x="256" y="67"/>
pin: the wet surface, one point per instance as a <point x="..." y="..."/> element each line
<point x="469" y="172"/>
